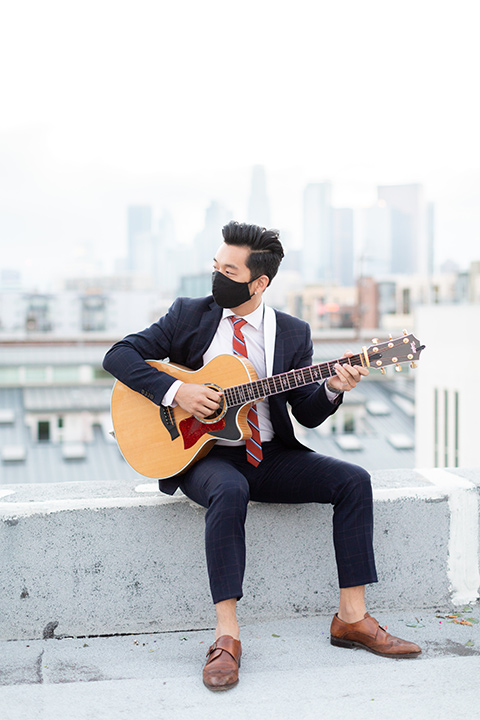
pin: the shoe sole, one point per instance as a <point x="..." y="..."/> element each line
<point x="338" y="642"/>
<point x="220" y="688"/>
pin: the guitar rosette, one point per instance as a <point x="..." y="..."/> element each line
<point x="220" y="412"/>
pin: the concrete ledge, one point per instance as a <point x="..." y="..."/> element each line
<point x="88" y="559"/>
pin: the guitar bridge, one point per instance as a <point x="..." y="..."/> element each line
<point x="168" y="419"/>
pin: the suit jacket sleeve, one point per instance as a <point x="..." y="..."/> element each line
<point x="126" y="359"/>
<point x="310" y="405"/>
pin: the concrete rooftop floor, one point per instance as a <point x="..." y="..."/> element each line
<point x="289" y="669"/>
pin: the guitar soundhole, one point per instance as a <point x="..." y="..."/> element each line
<point x="217" y="414"/>
<point x="221" y="410"/>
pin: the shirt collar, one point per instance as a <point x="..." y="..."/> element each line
<point x="255" y="318"/>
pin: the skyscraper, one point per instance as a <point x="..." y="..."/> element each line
<point x="140" y="253"/>
<point x="210" y="238"/>
<point x="374" y="227"/>
<point x="343" y="248"/>
<point x="258" y="204"/>
<point x="170" y="258"/>
<point x="410" y="242"/>
<point x="317" y="264"/>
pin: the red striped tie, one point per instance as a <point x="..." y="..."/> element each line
<point x="254" y="444"/>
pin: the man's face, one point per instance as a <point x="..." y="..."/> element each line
<point x="231" y="260"/>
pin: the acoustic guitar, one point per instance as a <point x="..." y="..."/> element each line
<point x="162" y="442"/>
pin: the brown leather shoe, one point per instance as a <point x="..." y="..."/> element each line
<point x="368" y="634"/>
<point x="223" y="660"/>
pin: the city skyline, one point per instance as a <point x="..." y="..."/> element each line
<point x="104" y="106"/>
<point x="87" y="258"/>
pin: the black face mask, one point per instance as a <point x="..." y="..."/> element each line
<point x="227" y="292"/>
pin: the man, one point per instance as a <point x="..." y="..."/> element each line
<point x="275" y="467"/>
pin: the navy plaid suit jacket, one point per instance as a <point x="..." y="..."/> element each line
<point x="184" y="334"/>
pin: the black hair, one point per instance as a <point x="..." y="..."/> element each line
<point x="266" y="251"/>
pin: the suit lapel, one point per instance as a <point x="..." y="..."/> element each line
<point x="206" y="329"/>
<point x="269" y="332"/>
<point x="279" y="356"/>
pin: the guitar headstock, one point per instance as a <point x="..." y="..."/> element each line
<point x="405" y="348"/>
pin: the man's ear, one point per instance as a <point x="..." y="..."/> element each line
<point x="262" y="283"/>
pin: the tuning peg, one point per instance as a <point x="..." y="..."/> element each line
<point x="413" y="365"/>
<point x="375" y="341"/>
<point x="390" y="336"/>
<point x="398" y="368"/>
<point x="383" y="371"/>
<point x="405" y="332"/>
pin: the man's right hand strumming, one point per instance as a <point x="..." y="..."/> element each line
<point x="198" y="400"/>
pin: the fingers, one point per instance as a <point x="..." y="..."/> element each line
<point x="199" y="400"/>
<point x="350" y="375"/>
<point x="209" y="403"/>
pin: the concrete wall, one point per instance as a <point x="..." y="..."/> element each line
<point x="447" y="428"/>
<point x="90" y="559"/>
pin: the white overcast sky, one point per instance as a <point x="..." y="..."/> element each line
<point x="109" y="103"/>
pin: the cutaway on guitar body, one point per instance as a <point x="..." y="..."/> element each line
<point x="161" y="442"/>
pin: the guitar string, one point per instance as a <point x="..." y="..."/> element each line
<point x="299" y="377"/>
<point x="276" y="384"/>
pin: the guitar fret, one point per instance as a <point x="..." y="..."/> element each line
<point x="264" y="387"/>
<point x="324" y="370"/>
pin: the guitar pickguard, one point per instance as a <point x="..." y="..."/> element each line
<point x="231" y="431"/>
<point x="192" y="429"/>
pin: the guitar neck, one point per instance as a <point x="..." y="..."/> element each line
<point x="259" y="389"/>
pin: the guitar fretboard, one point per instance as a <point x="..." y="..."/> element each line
<point x="257" y="389"/>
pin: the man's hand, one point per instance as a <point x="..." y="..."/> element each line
<point x="199" y="400"/>
<point x="347" y="376"/>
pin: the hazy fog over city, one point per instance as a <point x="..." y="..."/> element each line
<point x="106" y="105"/>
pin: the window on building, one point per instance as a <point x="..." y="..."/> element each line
<point x="66" y="374"/>
<point x="37" y="318"/>
<point x="101" y="374"/>
<point x="406" y="309"/>
<point x="387" y="298"/>
<point x="349" y="423"/>
<point x="94" y="313"/>
<point x="9" y="375"/>
<point x="43" y="431"/>
<point x="36" y="374"/>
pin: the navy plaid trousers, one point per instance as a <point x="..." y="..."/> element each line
<point x="224" y="482"/>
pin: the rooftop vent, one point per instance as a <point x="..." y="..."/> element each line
<point x="7" y="416"/>
<point x="74" y="451"/>
<point x="14" y="453"/>
<point x="400" y="441"/>
<point x="377" y="407"/>
<point x="348" y="442"/>
<point x="404" y="404"/>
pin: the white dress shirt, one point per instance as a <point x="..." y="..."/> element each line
<point x="222" y="344"/>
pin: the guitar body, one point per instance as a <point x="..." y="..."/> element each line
<point x="161" y="442"/>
